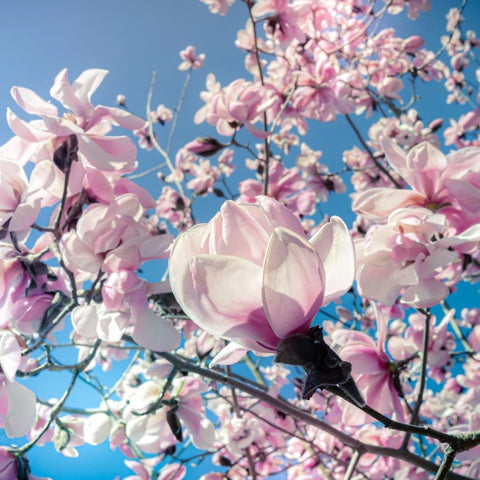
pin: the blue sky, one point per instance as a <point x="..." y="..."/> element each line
<point x="131" y="39"/>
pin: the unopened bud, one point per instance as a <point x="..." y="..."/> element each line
<point x="204" y="146"/>
<point x="121" y="100"/>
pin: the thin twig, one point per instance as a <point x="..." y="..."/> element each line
<point x="423" y="376"/>
<point x="262" y="81"/>
<point x="370" y="153"/>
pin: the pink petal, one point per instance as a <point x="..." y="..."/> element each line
<point x="155" y="333"/>
<point x="63" y="92"/>
<point x="79" y="255"/>
<point x="382" y="321"/>
<point x="98" y="157"/>
<point x="377" y="283"/>
<point x="97" y="428"/>
<point x="236" y="231"/>
<point x="465" y="193"/>
<point x="112" y="325"/>
<point x="32" y="103"/>
<point x="222" y="295"/>
<point x="24" y="216"/>
<point x="10" y="354"/>
<point x="87" y="82"/>
<point x="25" y="130"/>
<point x="84" y="320"/>
<point x="61" y="127"/>
<point x="21" y="410"/>
<point x="426" y="294"/>
<point x="363" y="358"/>
<point x="293" y="283"/>
<point x="124" y="185"/>
<point x="185" y="247"/>
<point x="229" y="355"/>
<point x="396" y="157"/>
<point x="121" y="117"/>
<point x="155" y="247"/>
<point x="174" y="471"/>
<point x="334" y="245"/>
<point x="199" y="427"/>
<point x="256" y="132"/>
<point x="345" y="337"/>
<point x="380" y="202"/>
<point x="122" y="148"/>
<point x="277" y="214"/>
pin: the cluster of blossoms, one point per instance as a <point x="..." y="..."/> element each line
<point x="77" y="233"/>
<point x="97" y="231"/>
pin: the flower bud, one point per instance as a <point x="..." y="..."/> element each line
<point x="204" y="146"/>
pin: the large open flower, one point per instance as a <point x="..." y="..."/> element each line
<point x="252" y="277"/>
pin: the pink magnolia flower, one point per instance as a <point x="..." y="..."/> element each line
<point x="371" y="371"/>
<point x="285" y="185"/>
<point x="239" y="104"/>
<point x="173" y="207"/>
<point x="219" y="6"/>
<point x="407" y="256"/>
<point x="321" y="92"/>
<point x="191" y="59"/>
<point x="440" y="342"/>
<point x="113" y="238"/>
<point x="283" y="23"/>
<point x="151" y="433"/>
<point x="109" y="321"/>
<point x="429" y="173"/>
<point x="252" y="277"/>
<point x="93" y="430"/>
<point x="38" y="140"/>
<point x="162" y="114"/>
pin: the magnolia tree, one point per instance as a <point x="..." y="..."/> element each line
<point x="276" y="340"/>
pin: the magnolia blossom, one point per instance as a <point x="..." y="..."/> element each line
<point x="252" y="277"/>
<point x="191" y="59"/>
<point x="239" y="104"/>
<point x="113" y="238"/>
<point x="93" y="430"/>
<point x="371" y="370"/>
<point x="151" y="433"/>
<point x="438" y="183"/>
<point x="412" y="255"/>
<point x="285" y="185"/>
<point x="38" y="140"/>
<point x="218" y="6"/>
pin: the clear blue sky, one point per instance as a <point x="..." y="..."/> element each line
<point x="132" y="38"/>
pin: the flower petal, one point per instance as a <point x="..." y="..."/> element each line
<point x="32" y="103"/>
<point x="236" y="231"/>
<point x="293" y="283"/>
<point x="10" y="354"/>
<point x="229" y="355"/>
<point x="21" y="410"/>
<point x="155" y="333"/>
<point x="222" y="295"/>
<point x="334" y="245"/>
<point x="381" y="201"/>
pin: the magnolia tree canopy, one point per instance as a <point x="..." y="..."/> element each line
<point x="276" y="338"/>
